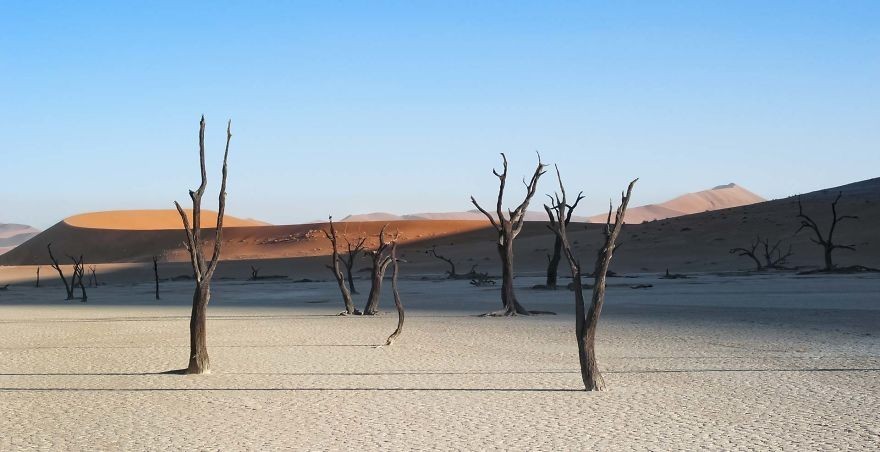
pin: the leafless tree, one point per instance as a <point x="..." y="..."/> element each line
<point x="451" y="274"/>
<point x="774" y="257"/>
<point x="354" y="250"/>
<point x="395" y="270"/>
<point x="94" y="276"/>
<point x="67" y="287"/>
<point x="751" y="253"/>
<point x="337" y="272"/>
<point x="255" y="273"/>
<point x="203" y="270"/>
<point x="587" y="319"/>
<point x="380" y="258"/>
<point x="37" y="284"/>
<point x="508" y="226"/>
<point x="553" y="260"/>
<point x="156" y="274"/>
<point x="79" y="272"/>
<point x="825" y="241"/>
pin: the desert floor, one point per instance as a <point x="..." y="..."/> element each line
<point x="713" y="362"/>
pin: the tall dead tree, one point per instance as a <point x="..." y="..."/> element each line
<point x="156" y="274"/>
<point x="203" y="270"/>
<point x="508" y="226"/>
<point x="825" y="241"/>
<point x="37" y="284"/>
<point x="395" y="270"/>
<point x="751" y="252"/>
<point x="337" y="272"/>
<point x="587" y="318"/>
<point x="380" y="258"/>
<point x="67" y="287"/>
<point x="451" y="274"/>
<point x="553" y="260"/>
<point x="354" y="250"/>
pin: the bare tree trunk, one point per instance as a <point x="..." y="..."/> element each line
<point x="586" y="338"/>
<point x="350" y="277"/>
<point x="77" y="278"/>
<point x="337" y="272"/>
<point x="377" y="275"/>
<point x="93" y="269"/>
<point x="82" y="289"/>
<point x="37" y="284"/>
<point x="380" y="258"/>
<point x="203" y="269"/>
<point x="57" y="267"/>
<point x="508" y="226"/>
<point x="156" y="274"/>
<point x="353" y="252"/>
<point x="565" y="217"/>
<point x="553" y="264"/>
<point x="829" y="264"/>
<point x="587" y="322"/>
<point x="199" y="362"/>
<point x="508" y="297"/>
<point x="397" y="303"/>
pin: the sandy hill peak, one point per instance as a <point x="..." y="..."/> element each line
<point x="719" y="197"/>
<point x="12" y="235"/>
<point x="149" y="220"/>
<point x="374" y="216"/>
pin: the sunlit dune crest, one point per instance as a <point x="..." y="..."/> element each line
<point x="151" y="220"/>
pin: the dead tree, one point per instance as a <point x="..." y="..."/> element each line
<point x="203" y="270"/>
<point x="751" y="253"/>
<point x="337" y="272"/>
<point x="774" y="257"/>
<point x="508" y="226"/>
<point x="37" y="284"/>
<point x="94" y="278"/>
<point x="354" y="250"/>
<point x="451" y="274"/>
<point x="587" y="318"/>
<point x="395" y="270"/>
<point x="380" y="258"/>
<point x="553" y="260"/>
<point x="79" y="272"/>
<point x="67" y="287"/>
<point x="825" y="241"/>
<point x="255" y="273"/>
<point x="156" y="274"/>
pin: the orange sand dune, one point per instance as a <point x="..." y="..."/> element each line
<point x="150" y="220"/>
<point x="247" y="242"/>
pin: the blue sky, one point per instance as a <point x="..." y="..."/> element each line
<point x="351" y="107"/>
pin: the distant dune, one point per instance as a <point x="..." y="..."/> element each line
<point x="12" y="235"/>
<point x="720" y="197"/>
<point x="151" y="220"/>
<point x="375" y="216"/>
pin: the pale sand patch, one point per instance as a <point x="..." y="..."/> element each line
<point x="711" y="363"/>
